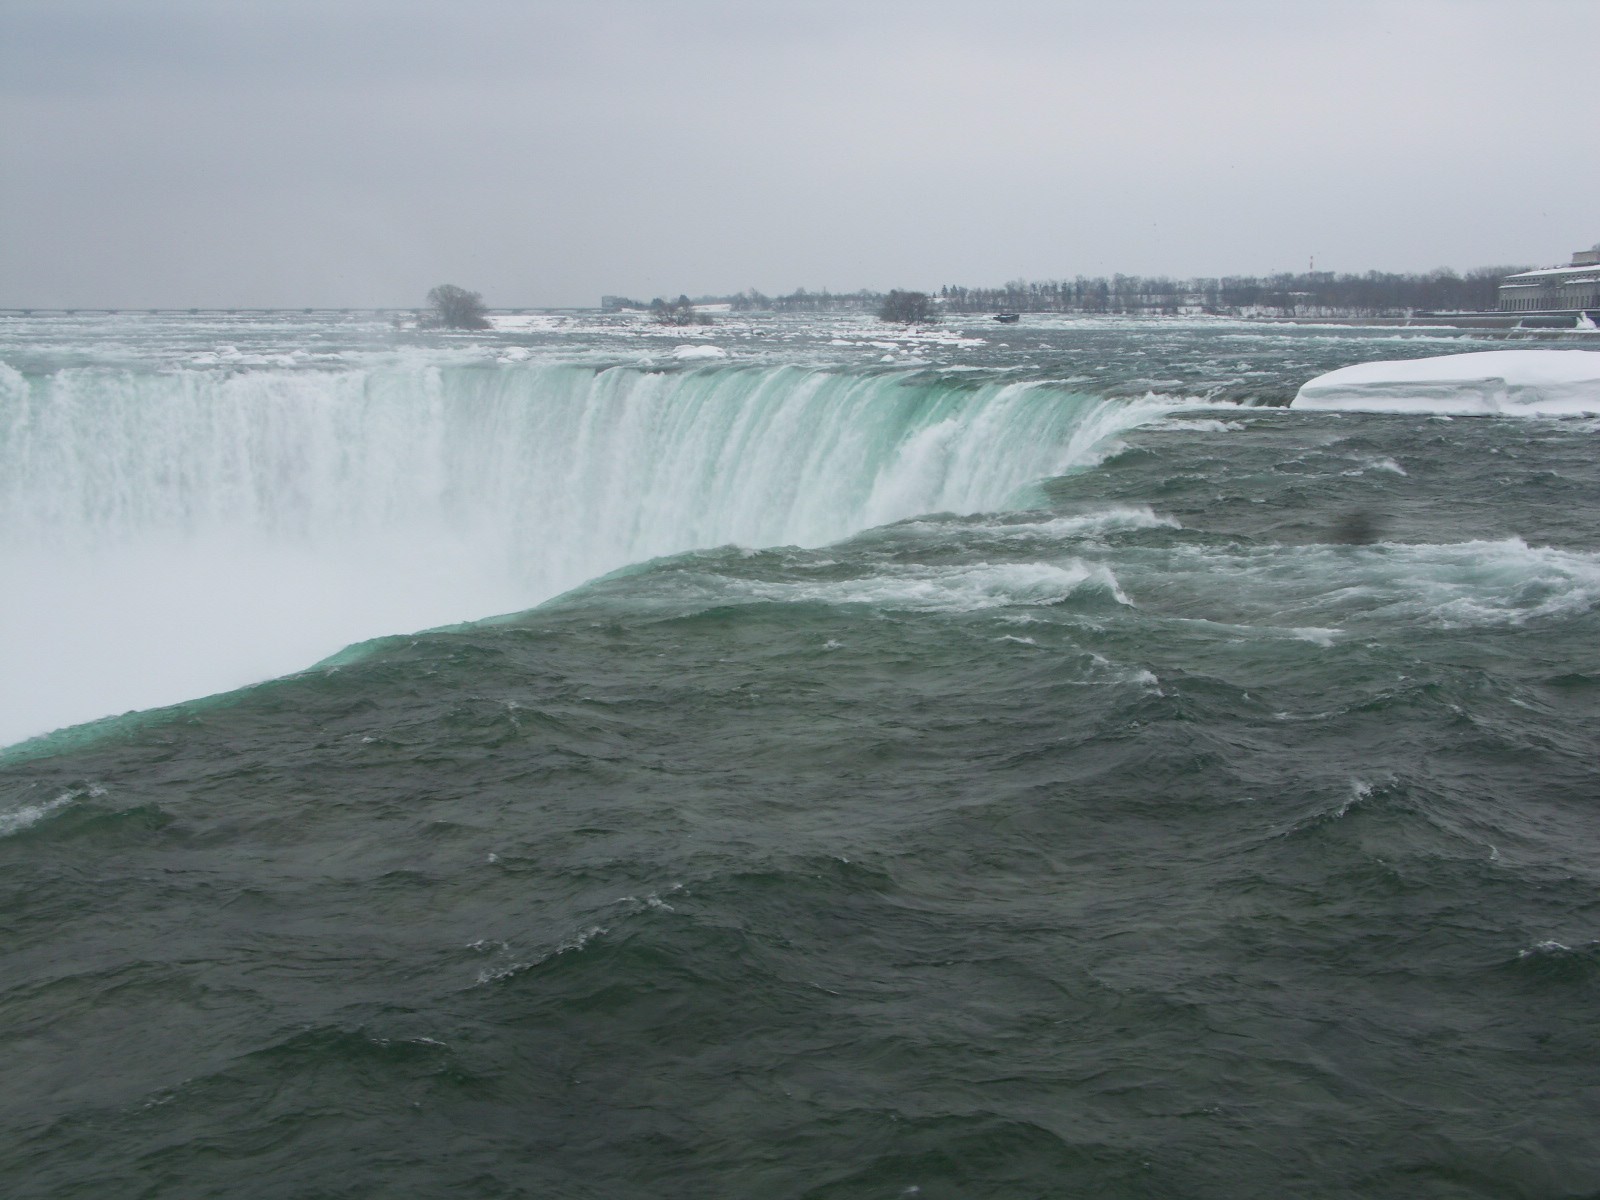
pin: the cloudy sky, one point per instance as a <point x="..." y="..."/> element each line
<point x="355" y="152"/>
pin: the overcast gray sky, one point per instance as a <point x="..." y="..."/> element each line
<point x="279" y="152"/>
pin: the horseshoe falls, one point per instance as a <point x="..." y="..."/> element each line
<point x="190" y="530"/>
<point x="801" y="758"/>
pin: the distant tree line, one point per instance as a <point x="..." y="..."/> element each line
<point x="1310" y="293"/>
<point x="1307" y="294"/>
<point x="754" y="301"/>
<point x="801" y="300"/>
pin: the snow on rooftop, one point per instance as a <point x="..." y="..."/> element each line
<point x="1546" y="272"/>
<point x="1521" y="382"/>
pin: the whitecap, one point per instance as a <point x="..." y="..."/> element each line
<point x="1110" y="520"/>
<point x="963" y="589"/>
<point x="1311" y="633"/>
<point x="1360" y="790"/>
<point x="23" y="818"/>
<point x="1550" y="948"/>
<point x="1196" y="425"/>
<point x="30" y="815"/>
<point x="1118" y="518"/>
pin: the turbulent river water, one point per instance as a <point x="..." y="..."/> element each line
<point x="794" y="758"/>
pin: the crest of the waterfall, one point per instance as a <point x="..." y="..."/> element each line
<point x="177" y="532"/>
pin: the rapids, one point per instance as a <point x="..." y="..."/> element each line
<point x="1040" y="767"/>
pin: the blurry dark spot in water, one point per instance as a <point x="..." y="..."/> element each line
<point x="1358" y="527"/>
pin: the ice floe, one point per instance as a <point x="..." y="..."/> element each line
<point x="1521" y="382"/>
<point x="701" y="351"/>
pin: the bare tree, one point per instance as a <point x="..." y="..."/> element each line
<point x="678" y="312"/>
<point x="455" y="308"/>
<point x="908" y="308"/>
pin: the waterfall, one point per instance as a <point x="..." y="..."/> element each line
<point x="175" y="532"/>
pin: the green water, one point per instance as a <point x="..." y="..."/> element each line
<point x="1211" y="816"/>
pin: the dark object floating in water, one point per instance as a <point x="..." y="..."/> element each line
<point x="1008" y="318"/>
<point x="1358" y="528"/>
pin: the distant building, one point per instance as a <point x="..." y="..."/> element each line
<point x="1572" y="288"/>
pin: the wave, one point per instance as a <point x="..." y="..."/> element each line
<point x="1322" y="590"/>
<point x="918" y="588"/>
<point x="188" y="530"/>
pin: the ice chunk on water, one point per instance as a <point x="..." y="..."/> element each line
<point x="1521" y="382"/>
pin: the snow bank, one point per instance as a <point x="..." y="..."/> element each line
<point x="1522" y="382"/>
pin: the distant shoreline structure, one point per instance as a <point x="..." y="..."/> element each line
<point x="1572" y="288"/>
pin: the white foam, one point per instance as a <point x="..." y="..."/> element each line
<point x="1314" y="592"/>
<point x="24" y="818"/>
<point x="1360" y="791"/>
<point x="1116" y="519"/>
<point x="1314" y="634"/>
<point x="690" y="353"/>
<point x="1489" y="382"/>
<point x="1111" y="520"/>
<point x="1550" y="948"/>
<point x="1507" y="582"/>
<point x="510" y="965"/>
<point x="960" y="589"/>
<point x="1178" y="424"/>
<point x="1378" y="464"/>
